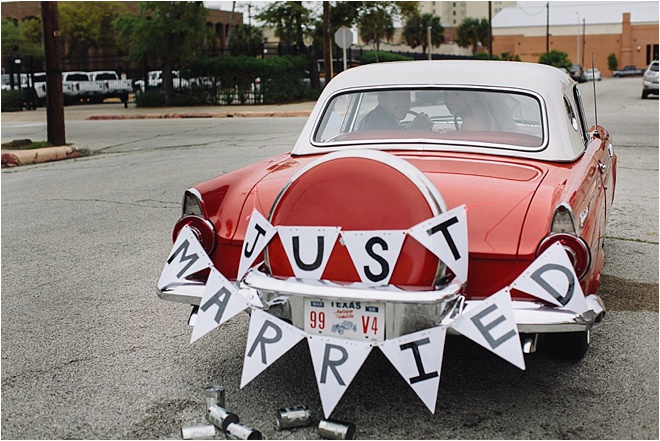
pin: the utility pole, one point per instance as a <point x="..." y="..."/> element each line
<point x="55" y="98"/>
<point x="327" y="44"/>
<point x="547" y="27"/>
<point x="490" y="30"/>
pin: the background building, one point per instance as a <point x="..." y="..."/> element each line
<point x="629" y="30"/>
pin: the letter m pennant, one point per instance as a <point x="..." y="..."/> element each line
<point x="187" y="257"/>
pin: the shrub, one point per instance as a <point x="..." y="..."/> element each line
<point x="13" y="100"/>
<point x="612" y="62"/>
<point x="370" y="57"/>
<point x="150" y="98"/>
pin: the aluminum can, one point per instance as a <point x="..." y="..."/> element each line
<point x="241" y="431"/>
<point x="332" y="429"/>
<point x="220" y="417"/>
<point x="215" y="395"/>
<point x="290" y="417"/>
<point x="198" y="432"/>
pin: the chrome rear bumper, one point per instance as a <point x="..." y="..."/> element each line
<point x="407" y="311"/>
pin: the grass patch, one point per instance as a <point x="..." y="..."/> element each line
<point x="25" y="144"/>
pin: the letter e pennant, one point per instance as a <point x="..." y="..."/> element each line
<point x="259" y="232"/>
<point x="220" y="302"/>
<point x="336" y="362"/>
<point x="491" y="324"/>
<point x="551" y="277"/>
<point x="187" y="257"/>
<point x="446" y="236"/>
<point x="418" y="358"/>
<point x="268" y="339"/>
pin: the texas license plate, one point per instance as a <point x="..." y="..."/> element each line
<point x="355" y="320"/>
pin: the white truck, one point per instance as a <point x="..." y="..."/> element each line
<point x="78" y="87"/>
<point x="155" y="78"/>
<point x="111" y="85"/>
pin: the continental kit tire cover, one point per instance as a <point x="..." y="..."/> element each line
<point x="360" y="190"/>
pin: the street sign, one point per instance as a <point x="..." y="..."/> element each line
<point x="344" y="38"/>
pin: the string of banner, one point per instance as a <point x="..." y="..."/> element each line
<point x="416" y="356"/>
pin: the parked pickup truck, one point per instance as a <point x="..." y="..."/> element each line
<point x="628" y="71"/>
<point x="155" y="78"/>
<point x="78" y="87"/>
<point x="111" y="85"/>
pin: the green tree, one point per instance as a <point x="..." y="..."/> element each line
<point x="556" y="58"/>
<point x="86" y="25"/>
<point x="471" y="32"/>
<point x="415" y="31"/>
<point x="612" y="62"/>
<point x="23" y="39"/>
<point x="171" y="31"/>
<point x="375" y="23"/>
<point x="245" y="39"/>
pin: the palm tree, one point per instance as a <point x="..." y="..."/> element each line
<point x="471" y="32"/>
<point x="415" y="31"/>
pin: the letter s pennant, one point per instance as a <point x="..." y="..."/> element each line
<point x="187" y="257"/>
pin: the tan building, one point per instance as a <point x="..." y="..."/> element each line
<point x="629" y="30"/>
<point x="452" y="14"/>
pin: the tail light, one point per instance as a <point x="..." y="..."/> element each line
<point x="194" y="216"/>
<point x="564" y="230"/>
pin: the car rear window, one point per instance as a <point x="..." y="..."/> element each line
<point x="462" y="116"/>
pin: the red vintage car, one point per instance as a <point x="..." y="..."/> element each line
<point x="503" y="146"/>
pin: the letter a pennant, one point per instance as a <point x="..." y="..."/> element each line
<point x="491" y="324"/>
<point x="418" y="358"/>
<point x="259" y="232"/>
<point x="336" y="362"/>
<point x="551" y="277"/>
<point x="268" y="339"/>
<point x="308" y="249"/>
<point x="187" y="257"/>
<point x="220" y="302"/>
<point x="446" y="236"/>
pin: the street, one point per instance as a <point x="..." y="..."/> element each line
<point x="90" y="352"/>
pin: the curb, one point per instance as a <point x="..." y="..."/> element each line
<point x="262" y="114"/>
<point x="37" y="156"/>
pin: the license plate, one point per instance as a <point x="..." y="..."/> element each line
<point x="355" y="320"/>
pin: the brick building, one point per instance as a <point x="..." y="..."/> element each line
<point x="629" y="30"/>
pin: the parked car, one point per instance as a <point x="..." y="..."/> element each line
<point x="155" y="79"/>
<point x="77" y="87"/>
<point x="111" y="85"/>
<point x="388" y="150"/>
<point x="627" y="71"/>
<point x="592" y="74"/>
<point x="650" y="80"/>
<point x="577" y="73"/>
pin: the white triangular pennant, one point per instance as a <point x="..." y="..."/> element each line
<point x="259" y="232"/>
<point x="551" y="277"/>
<point x="374" y="253"/>
<point x="446" y="236"/>
<point x="308" y="248"/>
<point x="491" y="324"/>
<point x="187" y="257"/>
<point x="268" y="339"/>
<point x="336" y="362"/>
<point x="418" y="358"/>
<point x="220" y="302"/>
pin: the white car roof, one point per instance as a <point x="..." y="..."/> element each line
<point x="546" y="82"/>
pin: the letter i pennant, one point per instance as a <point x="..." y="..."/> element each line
<point x="418" y="358"/>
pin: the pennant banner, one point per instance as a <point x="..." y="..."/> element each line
<point x="220" y="302"/>
<point x="418" y="358"/>
<point x="187" y="257"/>
<point x="308" y="248"/>
<point x="259" y="232"/>
<point x="374" y="253"/>
<point x="268" y="339"/>
<point x="551" y="277"/>
<point x="446" y="236"/>
<point x="491" y="324"/>
<point x="336" y="362"/>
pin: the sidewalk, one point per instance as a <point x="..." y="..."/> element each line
<point x="11" y="158"/>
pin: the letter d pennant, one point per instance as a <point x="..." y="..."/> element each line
<point x="220" y="302"/>
<point x="418" y="358"/>
<point x="187" y="257"/>
<point x="491" y="324"/>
